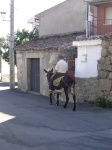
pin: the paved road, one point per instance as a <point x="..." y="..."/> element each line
<point x="28" y="122"/>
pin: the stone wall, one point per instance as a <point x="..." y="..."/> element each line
<point x="47" y="60"/>
<point x="23" y="68"/>
<point x="88" y="89"/>
<point x="105" y="70"/>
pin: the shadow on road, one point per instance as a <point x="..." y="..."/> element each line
<point x="6" y="84"/>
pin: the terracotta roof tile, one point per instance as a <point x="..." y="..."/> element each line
<point x="53" y="42"/>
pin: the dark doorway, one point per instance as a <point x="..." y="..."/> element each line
<point x="35" y="75"/>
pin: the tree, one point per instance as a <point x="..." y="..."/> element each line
<point x="20" y="37"/>
<point x="34" y="34"/>
<point x="4" y="46"/>
<point x="24" y="36"/>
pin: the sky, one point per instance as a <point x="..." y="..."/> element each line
<point x="24" y="10"/>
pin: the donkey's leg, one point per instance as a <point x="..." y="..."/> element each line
<point x="57" y="103"/>
<point x="50" y="98"/>
<point x="67" y="98"/>
<point x="74" y="99"/>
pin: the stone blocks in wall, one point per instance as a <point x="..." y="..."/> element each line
<point x="105" y="70"/>
<point x="105" y="44"/>
<point x="104" y="67"/>
<point x="111" y="59"/>
<point x="101" y="60"/>
<point x="110" y="98"/>
<point x="111" y="42"/>
<point x="110" y="75"/>
<point x="110" y="49"/>
<point x="86" y="89"/>
<point x="105" y="84"/>
<point x="102" y="74"/>
<point x="108" y="60"/>
<point x="104" y="52"/>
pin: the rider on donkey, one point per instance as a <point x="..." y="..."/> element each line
<point x="60" y="70"/>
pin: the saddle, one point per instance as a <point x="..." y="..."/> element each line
<point x="56" y="82"/>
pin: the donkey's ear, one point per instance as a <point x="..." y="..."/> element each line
<point x="51" y="70"/>
<point x="45" y="71"/>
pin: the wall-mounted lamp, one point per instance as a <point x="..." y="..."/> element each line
<point x="3" y="14"/>
<point x="84" y="58"/>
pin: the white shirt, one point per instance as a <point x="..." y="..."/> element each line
<point x="61" y="66"/>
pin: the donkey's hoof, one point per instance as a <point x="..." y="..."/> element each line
<point x="74" y="109"/>
<point x="50" y="103"/>
<point x="57" y="104"/>
<point x="64" y="106"/>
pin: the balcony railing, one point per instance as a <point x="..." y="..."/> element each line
<point x="99" y="27"/>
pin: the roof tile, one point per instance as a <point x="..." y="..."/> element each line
<point x="53" y="42"/>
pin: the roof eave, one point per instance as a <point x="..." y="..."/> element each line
<point x="97" y="2"/>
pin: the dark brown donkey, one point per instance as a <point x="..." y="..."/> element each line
<point x="65" y="83"/>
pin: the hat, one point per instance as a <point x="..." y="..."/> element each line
<point x="60" y="56"/>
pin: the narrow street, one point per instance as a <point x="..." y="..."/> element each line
<point x="28" y="122"/>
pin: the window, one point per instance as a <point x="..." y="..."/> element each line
<point x="108" y="16"/>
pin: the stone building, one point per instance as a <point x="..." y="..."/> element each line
<point x="66" y="17"/>
<point x="93" y="64"/>
<point x="98" y="17"/>
<point x="89" y="51"/>
<point x="58" y="27"/>
<point x="35" y="56"/>
<point x="60" y="33"/>
<point x="94" y="68"/>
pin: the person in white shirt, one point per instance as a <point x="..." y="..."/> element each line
<point x="61" y="69"/>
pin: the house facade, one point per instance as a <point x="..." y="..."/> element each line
<point x="66" y="17"/>
<point x="35" y="56"/>
<point x="60" y="31"/>
<point x="58" y="27"/>
<point x="98" y="17"/>
<point x="94" y="61"/>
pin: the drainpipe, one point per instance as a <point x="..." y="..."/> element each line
<point x="87" y="19"/>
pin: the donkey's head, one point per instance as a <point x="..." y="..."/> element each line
<point x="49" y="74"/>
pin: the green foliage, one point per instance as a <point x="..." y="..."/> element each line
<point x="34" y="34"/>
<point x="4" y="45"/>
<point x="5" y="55"/>
<point x="103" y="102"/>
<point x="20" y="37"/>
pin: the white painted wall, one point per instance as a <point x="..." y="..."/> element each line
<point x="87" y="69"/>
<point x="5" y="67"/>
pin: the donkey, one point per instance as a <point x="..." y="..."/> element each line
<point x="65" y="83"/>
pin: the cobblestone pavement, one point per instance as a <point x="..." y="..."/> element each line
<point x="28" y="122"/>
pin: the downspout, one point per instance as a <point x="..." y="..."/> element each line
<point x="87" y="19"/>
